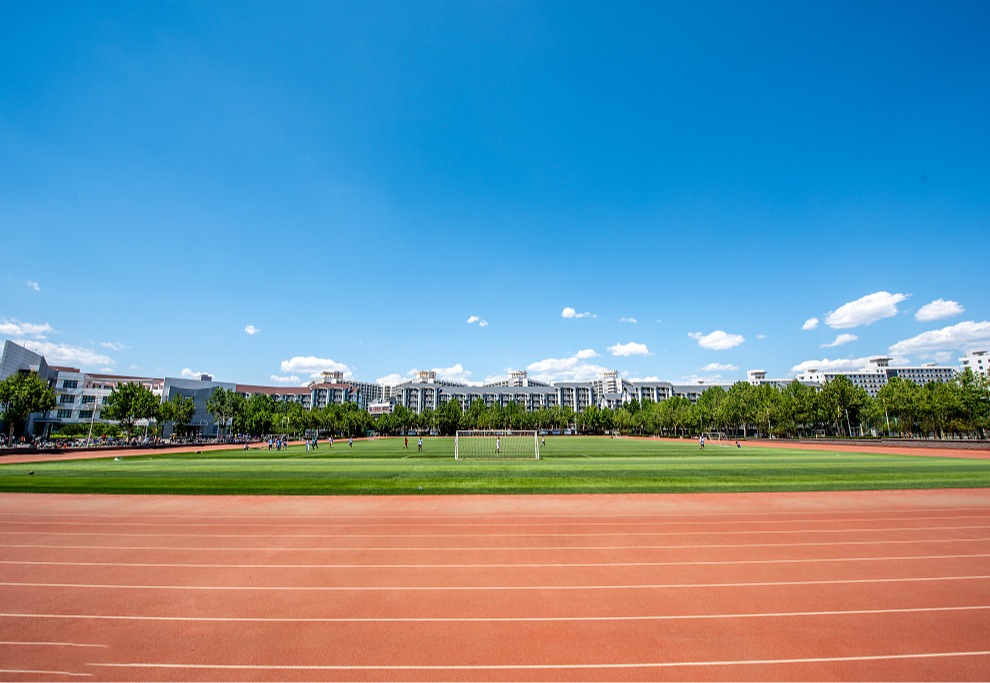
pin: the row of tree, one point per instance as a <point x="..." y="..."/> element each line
<point x="838" y="408"/>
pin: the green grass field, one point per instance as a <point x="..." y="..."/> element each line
<point x="567" y="465"/>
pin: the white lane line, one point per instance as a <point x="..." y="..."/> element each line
<point x="516" y="667"/>
<point x="41" y="673"/>
<point x="509" y="515"/>
<point x="766" y="532"/>
<point x="484" y="620"/>
<point x="486" y="565"/>
<point x="503" y="548"/>
<point x="538" y="587"/>
<point x="49" y="644"/>
<point x="541" y="523"/>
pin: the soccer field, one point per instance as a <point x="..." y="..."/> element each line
<point x="567" y="465"/>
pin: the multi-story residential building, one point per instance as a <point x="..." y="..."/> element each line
<point x="878" y="372"/>
<point x="977" y="361"/>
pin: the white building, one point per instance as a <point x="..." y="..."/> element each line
<point x="977" y="361"/>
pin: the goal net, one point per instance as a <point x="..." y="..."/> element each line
<point x="493" y="444"/>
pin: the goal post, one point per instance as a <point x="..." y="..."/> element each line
<point x="496" y="444"/>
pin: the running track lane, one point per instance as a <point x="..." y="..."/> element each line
<point x="819" y="586"/>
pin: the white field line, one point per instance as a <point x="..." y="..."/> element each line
<point x="540" y="516"/>
<point x="539" y="587"/>
<point x="769" y="532"/>
<point x="487" y="565"/>
<point x="517" y="667"/>
<point x="436" y="548"/>
<point x="538" y="523"/>
<point x="482" y="620"/>
<point x="37" y="672"/>
<point x="49" y="644"/>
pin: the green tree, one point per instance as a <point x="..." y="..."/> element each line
<point x="224" y="405"/>
<point x="22" y="394"/>
<point x="448" y="416"/>
<point x="178" y="411"/>
<point x="258" y="416"/>
<point x="128" y="403"/>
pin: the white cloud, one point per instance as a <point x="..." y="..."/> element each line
<point x="717" y="340"/>
<point x="569" y="312"/>
<point x="833" y="365"/>
<point x="843" y="338"/>
<point x="938" y="309"/>
<point x="961" y="336"/>
<point x="64" y="354"/>
<point x="865" y="311"/>
<point x="586" y="353"/>
<point x="191" y="374"/>
<point x="715" y="367"/>
<point x="15" y="328"/>
<point x="699" y="379"/>
<point x="572" y="369"/>
<point x="455" y="373"/>
<point x="252" y="330"/>
<point x="810" y="324"/>
<point x="475" y="319"/>
<point x="628" y="320"/>
<point x="630" y="349"/>
<point x="761" y="336"/>
<point x="281" y="379"/>
<point x="391" y="380"/>
<point x="33" y="285"/>
<point x="113" y="346"/>
<point x="312" y="366"/>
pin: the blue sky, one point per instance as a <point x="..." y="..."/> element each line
<point x="678" y="191"/>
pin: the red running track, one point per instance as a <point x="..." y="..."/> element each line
<point x="809" y="586"/>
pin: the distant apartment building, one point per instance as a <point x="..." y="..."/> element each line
<point x="878" y="372"/>
<point x="977" y="361"/>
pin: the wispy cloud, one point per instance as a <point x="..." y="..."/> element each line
<point x="840" y="340"/>
<point x="719" y="367"/>
<point x="938" y="309"/>
<point x="252" y="330"/>
<point x="285" y="379"/>
<point x="717" y="340"/>
<point x="810" y="324"/>
<point x="16" y="328"/>
<point x="476" y="319"/>
<point x="865" y="310"/>
<point x="34" y="285"/>
<point x="113" y="346"/>
<point x="66" y="354"/>
<point x="629" y="320"/>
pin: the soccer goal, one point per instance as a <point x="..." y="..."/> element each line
<point x="493" y="444"/>
<point x="717" y="439"/>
